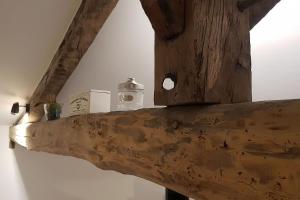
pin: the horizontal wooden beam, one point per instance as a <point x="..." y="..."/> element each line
<point x="260" y="9"/>
<point x="240" y="151"/>
<point x="166" y="16"/>
<point x="84" y="28"/>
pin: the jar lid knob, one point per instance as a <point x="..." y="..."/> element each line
<point x="130" y="84"/>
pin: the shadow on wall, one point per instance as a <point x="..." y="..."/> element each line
<point x="145" y="190"/>
<point x="49" y="177"/>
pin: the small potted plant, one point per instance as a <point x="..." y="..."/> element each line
<point x="52" y="109"/>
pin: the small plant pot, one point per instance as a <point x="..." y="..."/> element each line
<point x="52" y="111"/>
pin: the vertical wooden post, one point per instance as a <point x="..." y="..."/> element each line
<point x="210" y="61"/>
<point x="172" y="195"/>
<point x="207" y="57"/>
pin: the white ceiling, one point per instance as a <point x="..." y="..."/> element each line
<point x="30" y="33"/>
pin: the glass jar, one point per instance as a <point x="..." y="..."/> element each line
<point x="131" y="95"/>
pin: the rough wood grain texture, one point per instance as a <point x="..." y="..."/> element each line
<point x="84" y="28"/>
<point x="210" y="60"/>
<point x="166" y="16"/>
<point x="260" y="10"/>
<point x="240" y="151"/>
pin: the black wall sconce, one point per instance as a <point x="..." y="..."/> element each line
<point x="16" y="108"/>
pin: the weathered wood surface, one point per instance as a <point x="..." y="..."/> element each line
<point x="210" y="61"/>
<point x="84" y="28"/>
<point x="240" y="151"/>
<point x="167" y="17"/>
<point x="260" y="10"/>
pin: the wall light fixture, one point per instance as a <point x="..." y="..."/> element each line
<point x="16" y="108"/>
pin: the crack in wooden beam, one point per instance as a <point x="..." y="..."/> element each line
<point x="238" y="151"/>
<point x="84" y="28"/>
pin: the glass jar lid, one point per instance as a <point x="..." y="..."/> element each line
<point x="130" y="85"/>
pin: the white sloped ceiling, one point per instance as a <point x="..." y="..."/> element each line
<point x="30" y="33"/>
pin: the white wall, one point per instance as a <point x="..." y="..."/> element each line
<point x="28" y="175"/>
<point x="275" y="53"/>
<point x="11" y="185"/>
<point x="124" y="48"/>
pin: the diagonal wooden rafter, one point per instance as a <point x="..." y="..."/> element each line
<point x="168" y="20"/>
<point x="220" y="152"/>
<point x="244" y="4"/>
<point x="167" y="17"/>
<point x="85" y="26"/>
<point x="259" y="9"/>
